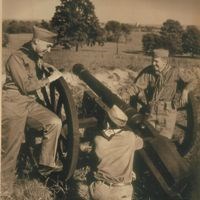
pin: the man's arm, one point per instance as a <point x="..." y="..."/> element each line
<point x="188" y="76"/>
<point x="139" y="144"/>
<point x="137" y="90"/>
<point x="26" y="82"/>
<point x="141" y="83"/>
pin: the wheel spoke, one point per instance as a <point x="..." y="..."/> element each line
<point x="59" y="106"/>
<point x="52" y="95"/>
<point x="46" y="98"/>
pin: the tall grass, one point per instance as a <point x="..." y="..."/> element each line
<point x="29" y="190"/>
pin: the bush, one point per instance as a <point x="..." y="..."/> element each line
<point x="150" y="42"/>
<point x="171" y="34"/>
<point x="5" y="40"/>
<point x="191" y="40"/>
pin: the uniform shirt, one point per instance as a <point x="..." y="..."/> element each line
<point x="115" y="156"/>
<point x="163" y="86"/>
<point x="23" y="72"/>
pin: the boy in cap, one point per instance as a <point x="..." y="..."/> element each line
<point x="158" y="83"/>
<point x="24" y="76"/>
<point x="114" y="149"/>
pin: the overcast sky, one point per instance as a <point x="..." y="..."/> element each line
<point x="187" y="12"/>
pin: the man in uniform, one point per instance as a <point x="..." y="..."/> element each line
<point x="24" y="77"/>
<point x="114" y="148"/>
<point x="158" y="83"/>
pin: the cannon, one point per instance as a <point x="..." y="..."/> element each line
<point x="160" y="156"/>
<point x="168" y="164"/>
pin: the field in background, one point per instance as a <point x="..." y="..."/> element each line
<point x="101" y="61"/>
<point x="97" y="57"/>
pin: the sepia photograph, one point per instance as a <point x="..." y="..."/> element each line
<point x="100" y="100"/>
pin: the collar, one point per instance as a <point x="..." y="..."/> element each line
<point x="166" y="69"/>
<point x="29" y="51"/>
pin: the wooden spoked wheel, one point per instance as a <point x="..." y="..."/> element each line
<point x="188" y="127"/>
<point x="58" y="98"/>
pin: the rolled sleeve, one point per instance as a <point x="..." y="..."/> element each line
<point x="140" y="84"/>
<point x="139" y="142"/>
<point x="26" y="82"/>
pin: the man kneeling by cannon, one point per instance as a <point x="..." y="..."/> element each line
<point x="115" y="145"/>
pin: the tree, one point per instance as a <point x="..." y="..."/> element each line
<point x="15" y="26"/>
<point x="126" y="30"/>
<point x="114" y="29"/>
<point x="171" y="34"/>
<point x="75" y="21"/>
<point x="96" y="35"/>
<point x="46" y="25"/>
<point x="5" y="40"/>
<point x="150" y="42"/>
<point x="191" y="40"/>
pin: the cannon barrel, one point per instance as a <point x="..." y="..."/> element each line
<point x="109" y="98"/>
<point x="160" y="155"/>
<point x="102" y="91"/>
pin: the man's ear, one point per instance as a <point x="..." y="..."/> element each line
<point x="35" y="41"/>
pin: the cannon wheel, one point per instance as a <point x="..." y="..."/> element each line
<point x="187" y="129"/>
<point x="58" y="98"/>
<point x="188" y="123"/>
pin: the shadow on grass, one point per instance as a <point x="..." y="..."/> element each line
<point x="93" y="50"/>
<point x="186" y="56"/>
<point x="134" y="52"/>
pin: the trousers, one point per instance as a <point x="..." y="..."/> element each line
<point x="101" y="191"/>
<point x="16" y="114"/>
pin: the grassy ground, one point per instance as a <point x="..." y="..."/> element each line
<point x="103" y="62"/>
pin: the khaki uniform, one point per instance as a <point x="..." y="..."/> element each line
<point x="160" y="91"/>
<point x="114" y="173"/>
<point x="20" y="108"/>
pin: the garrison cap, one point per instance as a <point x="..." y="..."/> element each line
<point x="160" y="53"/>
<point x="43" y="34"/>
<point x="117" y="116"/>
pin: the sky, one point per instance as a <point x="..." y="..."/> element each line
<point x="152" y="12"/>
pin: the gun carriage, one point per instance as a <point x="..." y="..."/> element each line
<point x="166" y="163"/>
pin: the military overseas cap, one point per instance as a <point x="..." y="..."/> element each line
<point x="43" y="34"/>
<point x="117" y="116"/>
<point x="160" y="53"/>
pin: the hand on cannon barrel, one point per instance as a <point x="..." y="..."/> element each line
<point x="54" y="76"/>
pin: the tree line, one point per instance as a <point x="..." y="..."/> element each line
<point x="76" y="23"/>
<point x="175" y="38"/>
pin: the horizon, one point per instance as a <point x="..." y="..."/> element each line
<point x="153" y="25"/>
<point x="144" y="12"/>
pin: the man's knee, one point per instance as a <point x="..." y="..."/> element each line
<point x="56" y="122"/>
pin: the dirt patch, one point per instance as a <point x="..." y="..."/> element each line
<point x="115" y="79"/>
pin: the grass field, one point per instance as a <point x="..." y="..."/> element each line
<point x="109" y="67"/>
<point x="97" y="57"/>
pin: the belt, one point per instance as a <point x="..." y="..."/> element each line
<point x="164" y="104"/>
<point x="114" y="184"/>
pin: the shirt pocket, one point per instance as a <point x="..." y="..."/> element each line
<point x="30" y="70"/>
